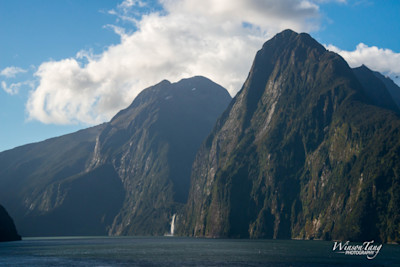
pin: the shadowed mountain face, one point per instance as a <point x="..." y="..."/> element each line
<point x="36" y="181"/>
<point x="375" y="88"/>
<point x="152" y="145"/>
<point x="303" y="151"/>
<point x="8" y="232"/>
<point x="128" y="176"/>
<point x="393" y="88"/>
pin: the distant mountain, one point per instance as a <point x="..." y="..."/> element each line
<point x="375" y="88"/>
<point x="305" y="150"/>
<point x="41" y="185"/>
<point x="393" y="88"/>
<point x="128" y="176"/>
<point x="8" y="232"/>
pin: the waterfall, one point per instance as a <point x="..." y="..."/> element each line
<point x="173" y="225"/>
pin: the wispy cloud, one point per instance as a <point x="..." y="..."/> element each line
<point x="327" y="1"/>
<point x="130" y="3"/>
<point x="133" y="10"/>
<point x="11" y="72"/>
<point x="14" y="88"/>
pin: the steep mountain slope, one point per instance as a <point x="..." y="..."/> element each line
<point x="135" y="168"/>
<point x="8" y="232"/>
<point x="301" y="152"/>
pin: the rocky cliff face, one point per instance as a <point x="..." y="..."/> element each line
<point x="8" y="232"/>
<point x="303" y="151"/>
<point x="128" y="176"/>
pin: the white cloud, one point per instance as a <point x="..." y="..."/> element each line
<point x="14" y="88"/>
<point x="131" y="10"/>
<point x="383" y="60"/>
<point x="126" y="4"/>
<point x="11" y="72"/>
<point x="217" y="39"/>
<point x="11" y="90"/>
<point x="270" y="15"/>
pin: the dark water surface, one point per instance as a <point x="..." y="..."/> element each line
<point x="176" y="251"/>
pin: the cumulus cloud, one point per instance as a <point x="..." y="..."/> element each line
<point x="217" y="39"/>
<point x="383" y="60"/>
<point x="11" y="72"/>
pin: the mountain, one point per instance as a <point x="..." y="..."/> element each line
<point x="375" y="88"/>
<point x="127" y="176"/>
<point x="8" y="232"/>
<point x="393" y="88"/>
<point x="302" y="151"/>
<point x="152" y="145"/>
<point x="41" y="185"/>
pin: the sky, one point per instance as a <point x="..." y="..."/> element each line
<point x="69" y="64"/>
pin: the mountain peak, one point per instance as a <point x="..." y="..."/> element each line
<point x="285" y="34"/>
<point x="292" y="39"/>
<point x="163" y="82"/>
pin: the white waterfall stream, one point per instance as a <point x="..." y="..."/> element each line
<point x="173" y="225"/>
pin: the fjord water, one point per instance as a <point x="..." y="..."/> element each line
<point x="175" y="251"/>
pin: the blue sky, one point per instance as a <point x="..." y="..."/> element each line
<point x="69" y="64"/>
